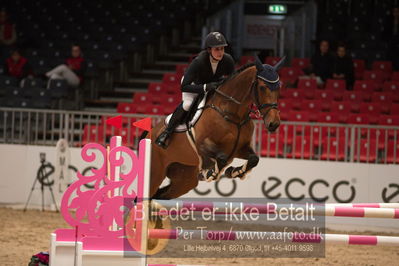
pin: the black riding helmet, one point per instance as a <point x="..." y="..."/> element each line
<point x="215" y="39"/>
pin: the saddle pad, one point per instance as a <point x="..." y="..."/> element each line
<point x="183" y="127"/>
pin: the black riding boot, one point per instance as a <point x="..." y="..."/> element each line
<point x="174" y="121"/>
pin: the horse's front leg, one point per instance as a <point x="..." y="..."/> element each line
<point x="246" y="153"/>
<point x="214" y="161"/>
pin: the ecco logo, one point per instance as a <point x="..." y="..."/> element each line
<point x="269" y="187"/>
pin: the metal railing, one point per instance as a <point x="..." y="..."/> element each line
<point x="296" y="140"/>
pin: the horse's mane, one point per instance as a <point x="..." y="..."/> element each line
<point x="236" y="72"/>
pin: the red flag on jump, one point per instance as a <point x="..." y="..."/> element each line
<point x="115" y="121"/>
<point x="144" y="124"/>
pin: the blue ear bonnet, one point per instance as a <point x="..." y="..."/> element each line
<point x="270" y="76"/>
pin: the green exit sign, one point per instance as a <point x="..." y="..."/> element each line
<point x="278" y="9"/>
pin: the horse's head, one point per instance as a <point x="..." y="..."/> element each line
<point x="266" y="93"/>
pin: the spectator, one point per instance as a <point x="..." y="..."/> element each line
<point x="17" y="66"/>
<point x="322" y="63"/>
<point x="343" y="67"/>
<point x="73" y="69"/>
<point x="8" y="35"/>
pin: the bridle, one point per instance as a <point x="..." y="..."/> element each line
<point x="247" y="118"/>
<point x="254" y="91"/>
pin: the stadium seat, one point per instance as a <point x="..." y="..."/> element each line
<point x="370" y="108"/>
<point x="308" y="84"/>
<point x="352" y="96"/>
<point x="171" y="79"/>
<point x="327" y="118"/>
<point x="324" y="95"/>
<point x="389" y="120"/>
<point x="285" y="105"/>
<point x="392" y="152"/>
<point x="341" y="107"/>
<point x="385" y="66"/>
<point x="395" y="76"/>
<point x="290" y="74"/>
<point x="296" y="94"/>
<point x="359" y="67"/>
<point x="334" y="149"/>
<point x="246" y="59"/>
<point x="367" y="86"/>
<point x="377" y="75"/>
<point x="181" y="69"/>
<point x="272" y="60"/>
<point x="358" y="119"/>
<point x="301" y="63"/>
<point x="171" y="100"/>
<point x="381" y="97"/>
<point x="313" y="106"/>
<point x="335" y="84"/>
<point x="126" y="108"/>
<point x="155" y="110"/>
<point x="391" y="86"/>
<point x="394" y="109"/>
<point x="156" y="88"/>
<point x="93" y="133"/>
<point x="301" y="148"/>
<point x="272" y="145"/>
<point x="141" y="98"/>
<point x="367" y="151"/>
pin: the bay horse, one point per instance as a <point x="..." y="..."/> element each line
<point x="223" y="132"/>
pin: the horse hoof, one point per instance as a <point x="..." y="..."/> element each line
<point x="229" y="171"/>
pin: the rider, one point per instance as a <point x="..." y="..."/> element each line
<point x="203" y="75"/>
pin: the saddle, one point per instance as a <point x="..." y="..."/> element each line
<point x="192" y="116"/>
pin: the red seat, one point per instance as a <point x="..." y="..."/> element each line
<point x="285" y="105"/>
<point x="365" y="85"/>
<point x="290" y="74"/>
<point x="392" y="86"/>
<point x="358" y="119"/>
<point x="385" y="66"/>
<point x="301" y="63"/>
<point x="395" y="76"/>
<point x="310" y="94"/>
<point x="359" y="67"/>
<point x="171" y="79"/>
<point x="335" y="84"/>
<point x="93" y="133"/>
<point x="301" y="148"/>
<point x="381" y="97"/>
<point x="246" y="59"/>
<point x="181" y="69"/>
<point x="389" y="120"/>
<point x="296" y="93"/>
<point x="171" y="100"/>
<point x="156" y="98"/>
<point x="143" y="108"/>
<point x="327" y="118"/>
<point x="126" y="108"/>
<point x="311" y="106"/>
<point x="324" y="95"/>
<point x="376" y="75"/>
<point x="353" y="96"/>
<point x="155" y="110"/>
<point x="392" y="152"/>
<point x="286" y="133"/>
<point x="308" y="84"/>
<point x="272" y="60"/>
<point x="156" y="88"/>
<point x="333" y="149"/>
<point x="370" y="108"/>
<point x="168" y="109"/>
<point x="341" y="107"/>
<point x="302" y="116"/>
<point x="394" y="109"/>
<point x="272" y="145"/>
<point x="141" y="98"/>
<point x="367" y="151"/>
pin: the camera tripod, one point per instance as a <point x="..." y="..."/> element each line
<point x="43" y="178"/>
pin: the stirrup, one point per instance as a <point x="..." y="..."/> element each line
<point x="162" y="140"/>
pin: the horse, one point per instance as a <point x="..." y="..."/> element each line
<point x="223" y="132"/>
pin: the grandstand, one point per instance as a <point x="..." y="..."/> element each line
<point x="137" y="53"/>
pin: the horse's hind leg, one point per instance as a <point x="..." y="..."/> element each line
<point x="183" y="178"/>
<point x="246" y="153"/>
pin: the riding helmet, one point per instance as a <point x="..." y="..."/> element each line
<point x="215" y="39"/>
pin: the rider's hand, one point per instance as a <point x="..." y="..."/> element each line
<point x="211" y="86"/>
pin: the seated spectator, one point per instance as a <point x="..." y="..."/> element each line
<point x="17" y="66"/>
<point x="73" y="69"/>
<point x="8" y="35"/>
<point x="343" y="67"/>
<point x="322" y="63"/>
